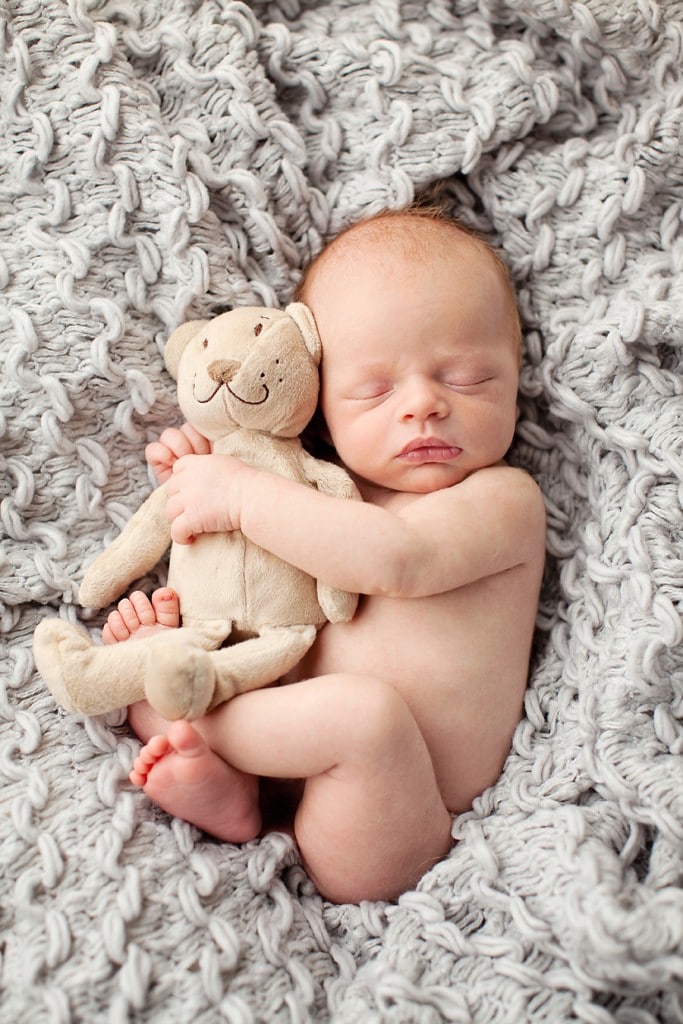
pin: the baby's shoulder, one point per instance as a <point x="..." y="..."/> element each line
<point x="506" y="492"/>
<point x="502" y="479"/>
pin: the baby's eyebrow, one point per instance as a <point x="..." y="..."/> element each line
<point x="376" y="365"/>
<point x="374" y="371"/>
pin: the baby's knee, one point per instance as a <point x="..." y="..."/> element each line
<point x="372" y="713"/>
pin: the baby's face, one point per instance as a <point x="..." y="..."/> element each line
<point x="420" y="362"/>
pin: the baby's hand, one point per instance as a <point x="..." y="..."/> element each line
<point x="204" y="495"/>
<point x="171" y="446"/>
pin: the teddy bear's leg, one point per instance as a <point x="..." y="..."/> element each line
<point x="84" y="676"/>
<point x="180" y="679"/>
<point x="260" y="660"/>
<point x="185" y="678"/>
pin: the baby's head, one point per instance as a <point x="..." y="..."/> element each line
<point x="421" y="235"/>
<point x="421" y="340"/>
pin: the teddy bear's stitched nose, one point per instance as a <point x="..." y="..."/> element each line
<point x="223" y="370"/>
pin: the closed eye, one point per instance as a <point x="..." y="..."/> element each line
<point x="465" y="384"/>
<point x="376" y="389"/>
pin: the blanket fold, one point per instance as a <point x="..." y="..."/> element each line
<point x="167" y="160"/>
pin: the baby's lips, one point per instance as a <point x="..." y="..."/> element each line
<point x="429" y="449"/>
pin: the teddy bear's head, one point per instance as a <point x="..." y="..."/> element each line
<point x="253" y="367"/>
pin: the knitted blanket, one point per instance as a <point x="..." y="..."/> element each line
<point x="163" y="159"/>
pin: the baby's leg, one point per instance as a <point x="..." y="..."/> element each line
<point x="180" y="774"/>
<point x="138" y="616"/>
<point x="277" y="799"/>
<point x="371" y="820"/>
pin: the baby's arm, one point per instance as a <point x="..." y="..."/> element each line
<point x="430" y="544"/>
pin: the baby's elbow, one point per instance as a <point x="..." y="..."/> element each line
<point x="395" y="577"/>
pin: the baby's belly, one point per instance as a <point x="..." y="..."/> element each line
<point x="454" y="665"/>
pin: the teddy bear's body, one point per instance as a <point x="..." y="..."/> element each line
<point x="264" y="590"/>
<point x="248" y="381"/>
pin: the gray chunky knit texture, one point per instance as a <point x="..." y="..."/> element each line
<point x="166" y="159"/>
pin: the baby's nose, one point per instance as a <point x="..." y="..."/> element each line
<point x="424" y="399"/>
<point x="223" y="370"/>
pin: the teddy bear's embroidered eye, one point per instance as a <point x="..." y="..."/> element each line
<point x="205" y="343"/>
<point x="258" y="329"/>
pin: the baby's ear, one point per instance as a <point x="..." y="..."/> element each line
<point x="176" y="344"/>
<point x="305" y="321"/>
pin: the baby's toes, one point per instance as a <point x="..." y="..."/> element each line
<point x="130" y="615"/>
<point x="166" y="607"/>
<point x="140" y="611"/>
<point x="115" y="630"/>
<point x="138" y="615"/>
<point x="149" y="755"/>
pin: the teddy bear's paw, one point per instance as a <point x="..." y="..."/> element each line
<point x="337" y="605"/>
<point x="60" y="651"/>
<point x="180" y="681"/>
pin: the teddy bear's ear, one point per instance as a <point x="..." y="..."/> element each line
<point x="305" y="321"/>
<point x="176" y="344"/>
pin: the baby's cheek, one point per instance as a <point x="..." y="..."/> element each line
<point x="359" y="441"/>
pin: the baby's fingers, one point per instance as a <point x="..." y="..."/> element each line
<point x="181" y="530"/>
<point x="160" y="459"/>
<point x="184" y="527"/>
<point x="174" y="444"/>
<point x="164" y="453"/>
<point x="199" y="445"/>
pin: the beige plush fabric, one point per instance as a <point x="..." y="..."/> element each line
<point x="165" y="160"/>
<point x="246" y="617"/>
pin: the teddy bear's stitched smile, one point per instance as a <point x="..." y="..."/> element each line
<point x="244" y="401"/>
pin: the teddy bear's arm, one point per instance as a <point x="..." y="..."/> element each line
<point x="328" y="478"/>
<point x="337" y="605"/>
<point x="136" y="550"/>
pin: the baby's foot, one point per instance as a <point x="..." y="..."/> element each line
<point x="137" y="616"/>
<point x="181" y="774"/>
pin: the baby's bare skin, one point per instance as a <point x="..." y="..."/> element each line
<point x="443" y="655"/>
<point x="137" y="615"/>
<point x="400" y="718"/>
<point x="458" y="659"/>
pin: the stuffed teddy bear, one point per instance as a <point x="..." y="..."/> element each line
<point x="248" y="380"/>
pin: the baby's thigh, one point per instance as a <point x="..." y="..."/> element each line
<point x="371" y="824"/>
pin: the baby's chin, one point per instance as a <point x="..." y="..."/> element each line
<point x="416" y="480"/>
